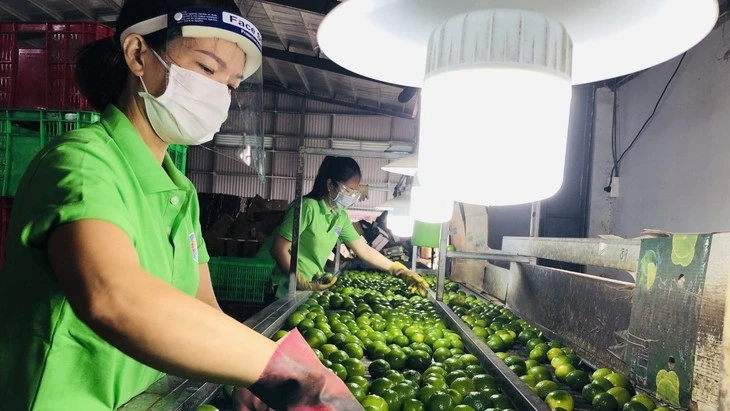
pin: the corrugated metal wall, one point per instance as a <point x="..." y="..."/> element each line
<point x="216" y="170"/>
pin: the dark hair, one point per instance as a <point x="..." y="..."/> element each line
<point x="337" y="169"/>
<point x="101" y="71"/>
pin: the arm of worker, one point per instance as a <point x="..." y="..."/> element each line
<point x="415" y="282"/>
<point x="205" y="287"/>
<point x="280" y="251"/>
<point x="98" y="269"/>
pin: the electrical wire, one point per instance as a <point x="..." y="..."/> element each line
<point x="617" y="162"/>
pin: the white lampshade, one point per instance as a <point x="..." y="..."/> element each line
<point x="431" y="205"/>
<point x="497" y="80"/>
<point x="400" y="222"/>
<point x="403" y="201"/>
<point x="407" y="165"/>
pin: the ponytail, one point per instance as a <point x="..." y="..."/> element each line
<point x="101" y="72"/>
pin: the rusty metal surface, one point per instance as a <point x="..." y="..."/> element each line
<point x="619" y="254"/>
<point x="585" y="312"/>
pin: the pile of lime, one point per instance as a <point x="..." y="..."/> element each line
<point x="548" y="364"/>
<point x="392" y="348"/>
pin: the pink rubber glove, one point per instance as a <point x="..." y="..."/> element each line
<point x="295" y="379"/>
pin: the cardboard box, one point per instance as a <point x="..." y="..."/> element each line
<point x="675" y="347"/>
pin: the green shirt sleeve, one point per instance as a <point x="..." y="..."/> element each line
<point x="72" y="182"/>
<point x="286" y="228"/>
<point x="348" y="233"/>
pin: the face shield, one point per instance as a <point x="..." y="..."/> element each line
<point x="214" y="83"/>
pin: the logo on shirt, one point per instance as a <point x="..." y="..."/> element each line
<point x="338" y="230"/>
<point x="194" y="246"/>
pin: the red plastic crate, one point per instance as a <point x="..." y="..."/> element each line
<point x="37" y="63"/>
<point x="6" y="205"/>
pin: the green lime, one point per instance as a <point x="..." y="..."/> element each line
<point x="540" y="373"/>
<point x="413" y="405"/>
<point x="514" y="359"/>
<point x="395" y="376"/>
<point x="437" y="381"/>
<point x="577" y="379"/>
<point x="531" y="344"/>
<point x="618" y="380"/>
<point x="496" y="343"/>
<point x="463" y="407"/>
<point x="361" y="381"/>
<point x="354" y="350"/>
<point x="394" y="400"/>
<point x="554" y="352"/>
<point x="604" y="402"/>
<point x="646" y="400"/>
<point x="354" y="367"/>
<point x="381" y="385"/>
<point x="539" y="355"/>
<point x="518" y="369"/>
<point x="425" y="393"/>
<point x="634" y="406"/>
<point x="472" y="370"/>
<point x="480" y="332"/>
<point x="621" y="395"/>
<point x="590" y="391"/>
<point x="279" y="335"/>
<point x="338" y="356"/>
<point x="469" y="359"/>
<point x="294" y="320"/>
<point x="483" y="381"/>
<point x="206" y="407"/>
<point x="453" y="364"/>
<point x="600" y="373"/>
<point x="375" y="402"/>
<point x="440" y="401"/>
<point x="562" y="371"/>
<point x="406" y="389"/>
<point x="463" y="385"/>
<point x="419" y="360"/>
<point x="397" y="359"/>
<point x="530" y="380"/>
<point x="315" y="338"/>
<point x="441" y="354"/>
<point x="574" y="359"/>
<point x="543" y="388"/>
<point x="378" y="368"/>
<point x="413" y="375"/>
<point x="559" y="360"/>
<point x="477" y="400"/>
<point x="453" y="375"/>
<point x="358" y="391"/>
<point x="422" y="347"/>
<point x="501" y="355"/>
<point x="455" y="395"/>
<point x="500" y="401"/>
<point x="560" y="399"/>
<point x="340" y="371"/>
<point x="603" y="383"/>
<point x="434" y="369"/>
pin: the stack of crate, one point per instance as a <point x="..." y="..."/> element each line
<point x="39" y="99"/>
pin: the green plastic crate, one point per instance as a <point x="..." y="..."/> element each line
<point x="240" y="279"/>
<point x="179" y="155"/>
<point x="23" y="133"/>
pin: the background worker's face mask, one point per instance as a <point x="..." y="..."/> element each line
<point x="192" y="108"/>
<point x="345" y="196"/>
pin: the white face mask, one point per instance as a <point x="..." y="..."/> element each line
<point x="192" y="108"/>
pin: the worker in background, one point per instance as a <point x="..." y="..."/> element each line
<point x="324" y="221"/>
<point x="106" y="285"/>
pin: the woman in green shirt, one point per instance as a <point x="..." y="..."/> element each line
<point x="106" y="284"/>
<point x="324" y="221"/>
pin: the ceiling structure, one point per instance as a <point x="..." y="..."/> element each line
<point x="293" y="63"/>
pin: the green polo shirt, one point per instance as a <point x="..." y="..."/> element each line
<point x="319" y="230"/>
<point x="49" y="359"/>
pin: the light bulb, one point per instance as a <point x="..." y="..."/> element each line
<point x="400" y="223"/>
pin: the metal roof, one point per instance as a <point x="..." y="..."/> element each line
<point x="293" y="62"/>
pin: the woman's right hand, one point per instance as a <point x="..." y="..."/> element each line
<point x="304" y="284"/>
<point x="295" y="379"/>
